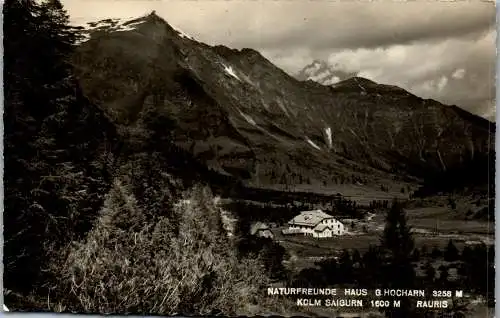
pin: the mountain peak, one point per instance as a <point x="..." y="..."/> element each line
<point x="365" y="85"/>
<point x="357" y="80"/>
<point x="154" y="17"/>
<point x="150" y="23"/>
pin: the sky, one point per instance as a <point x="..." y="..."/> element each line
<point x="445" y="50"/>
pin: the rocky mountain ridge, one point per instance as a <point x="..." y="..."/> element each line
<point x="241" y="115"/>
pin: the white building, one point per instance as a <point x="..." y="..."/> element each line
<point x="316" y="224"/>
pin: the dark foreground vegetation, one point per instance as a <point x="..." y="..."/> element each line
<point x="92" y="219"/>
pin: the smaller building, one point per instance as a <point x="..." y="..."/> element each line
<point x="323" y="230"/>
<point x="291" y="231"/>
<point x="262" y="230"/>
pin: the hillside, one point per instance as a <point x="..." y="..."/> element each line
<point x="266" y="127"/>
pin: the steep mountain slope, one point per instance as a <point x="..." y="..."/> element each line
<point x="241" y="115"/>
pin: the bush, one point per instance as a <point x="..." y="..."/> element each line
<point x="271" y="253"/>
<point x="416" y="255"/>
<point x="130" y="265"/>
<point x="430" y="273"/>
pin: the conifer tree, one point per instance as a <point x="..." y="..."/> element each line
<point x="54" y="167"/>
<point x="21" y="77"/>
<point x="345" y="266"/>
<point x="398" y="244"/>
<point x="451" y="252"/>
<point x="430" y="273"/>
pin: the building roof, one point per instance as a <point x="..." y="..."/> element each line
<point x="291" y="231"/>
<point x="310" y="218"/>
<point x="258" y="226"/>
<point x="322" y="227"/>
<point x="264" y="229"/>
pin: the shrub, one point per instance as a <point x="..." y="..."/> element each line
<point x="430" y="272"/>
<point x="184" y="263"/>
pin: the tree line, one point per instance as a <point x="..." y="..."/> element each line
<point x="57" y="164"/>
<point x="252" y="211"/>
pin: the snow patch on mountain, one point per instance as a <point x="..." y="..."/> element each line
<point x="328" y="132"/>
<point x="248" y="119"/>
<point x="229" y="70"/>
<point x="181" y="33"/>
<point x="129" y="26"/>
<point x="119" y="25"/>
<point x="312" y="143"/>
<point x="282" y="106"/>
<point x="108" y="25"/>
<point x="114" y="25"/>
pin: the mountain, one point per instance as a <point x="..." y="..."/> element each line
<point x="240" y="115"/>
<point x="326" y="74"/>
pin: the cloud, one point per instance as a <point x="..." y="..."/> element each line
<point x="314" y="24"/>
<point x="454" y="71"/>
<point x="459" y="73"/>
<point x="290" y="60"/>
